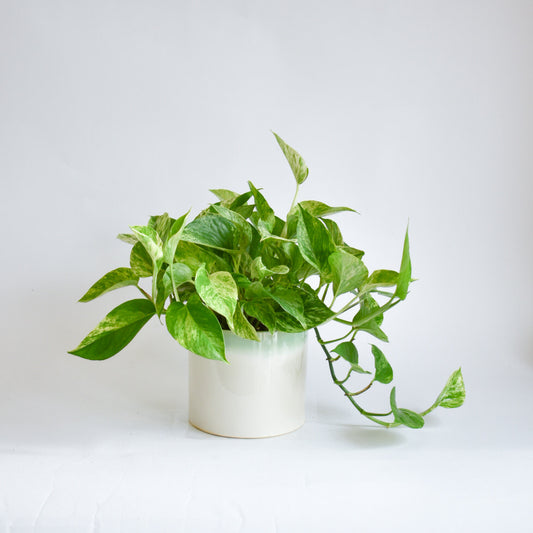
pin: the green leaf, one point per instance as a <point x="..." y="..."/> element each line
<point x="162" y="292"/>
<point x="185" y="291"/>
<point x="214" y="231"/>
<point x="294" y="259"/>
<point x="241" y="280"/>
<point x="287" y="323"/>
<point x="278" y="226"/>
<point x="348" y="351"/>
<point x="245" y="228"/>
<point x="153" y="244"/>
<point x="161" y="224"/>
<point x="314" y="241"/>
<point x="404" y="277"/>
<point x="405" y="416"/>
<point x="127" y="238"/>
<point x="334" y="231"/>
<point x="296" y="162"/>
<point x="349" y="249"/>
<point x="369" y="309"/>
<point x="240" y="201"/>
<point x="320" y="209"/>
<point x="380" y="278"/>
<point x="194" y="255"/>
<point x="245" y="210"/>
<point x="348" y="272"/>
<point x="453" y="393"/>
<point x="360" y="370"/>
<point x="151" y="241"/>
<point x="260" y="271"/>
<point x="120" y="277"/>
<point x="241" y="327"/>
<point x="218" y="291"/>
<point x="384" y="372"/>
<point x="196" y="328"/>
<point x="116" y="330"/>
<point x="140" y="262"/>
<point x="181" y="273"/>
<point x="224" y="195"/>
<point x="256" y="291"/>
<point x="372" y="328"/>
<point x="173" y="239"/>
<point x="262" y="311"/>
<point x="267" y="218"/>
<point x="315" y="311"/>
<point x="291" y="301"/>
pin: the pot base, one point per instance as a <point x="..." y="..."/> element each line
<point x="249" y="438"/>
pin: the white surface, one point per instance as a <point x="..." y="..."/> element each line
<point x="113" y="111"/>
<point x="260" y="392"/>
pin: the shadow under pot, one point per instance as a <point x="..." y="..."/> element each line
<point x="260" y="393"/>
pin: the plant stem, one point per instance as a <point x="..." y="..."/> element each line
<point x="370" y="416"/>
<point x="346" y="378"/>
<point x="352" y="303"/>
<point x="174" y="290"/>
<point x="320" y="341"/>
<point x="341" y="321"/>
<point x="361" y="391"/>
<point x="428" y="410"/>
<point x="146" y="295"/>
<point x="389" y="305"/>
<point x="325" y="293"/>
<point x="294" y="199"/>
<point x="285" y="227"/>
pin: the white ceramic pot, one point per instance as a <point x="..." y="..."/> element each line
<point x="260" y="393"/>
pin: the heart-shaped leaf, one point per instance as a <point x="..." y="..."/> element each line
<point x="314" y="241"/>
<point x="120" y="277"/>
<point x="384" y="372"/>
<point x="262" y="310"/>
<point x="116" y="330"/>
<point x="267" y="218"/>
<point x="405" y="416"/>
<point x="241" y="327"/>
<point x="348" y="351"/>
<point x="453" y="393"/>
<point x="218" y="291"/>
<point x="196" y="328"/>
<point x="348" y="272"/>
<point x="212" y="230"/>
<point x="291" y="301"/>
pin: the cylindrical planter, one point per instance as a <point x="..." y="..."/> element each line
<point x="260" y="393"/>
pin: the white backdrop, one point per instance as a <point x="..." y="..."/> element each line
<point x="407" y="111"/>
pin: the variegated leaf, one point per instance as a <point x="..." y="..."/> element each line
<point x="120" y="277"/>
<point x="196" y="328"/>
<point x="296" y="162"/>
<point x="116" y="330"/>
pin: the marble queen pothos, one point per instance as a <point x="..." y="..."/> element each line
<point x="238" y="266"/>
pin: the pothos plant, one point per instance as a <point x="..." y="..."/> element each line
<point x="237" y="266"/>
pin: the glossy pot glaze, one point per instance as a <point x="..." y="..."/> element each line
<point x="260" y="393"/>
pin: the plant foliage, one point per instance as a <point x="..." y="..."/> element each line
<point x="237" y="266"/>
